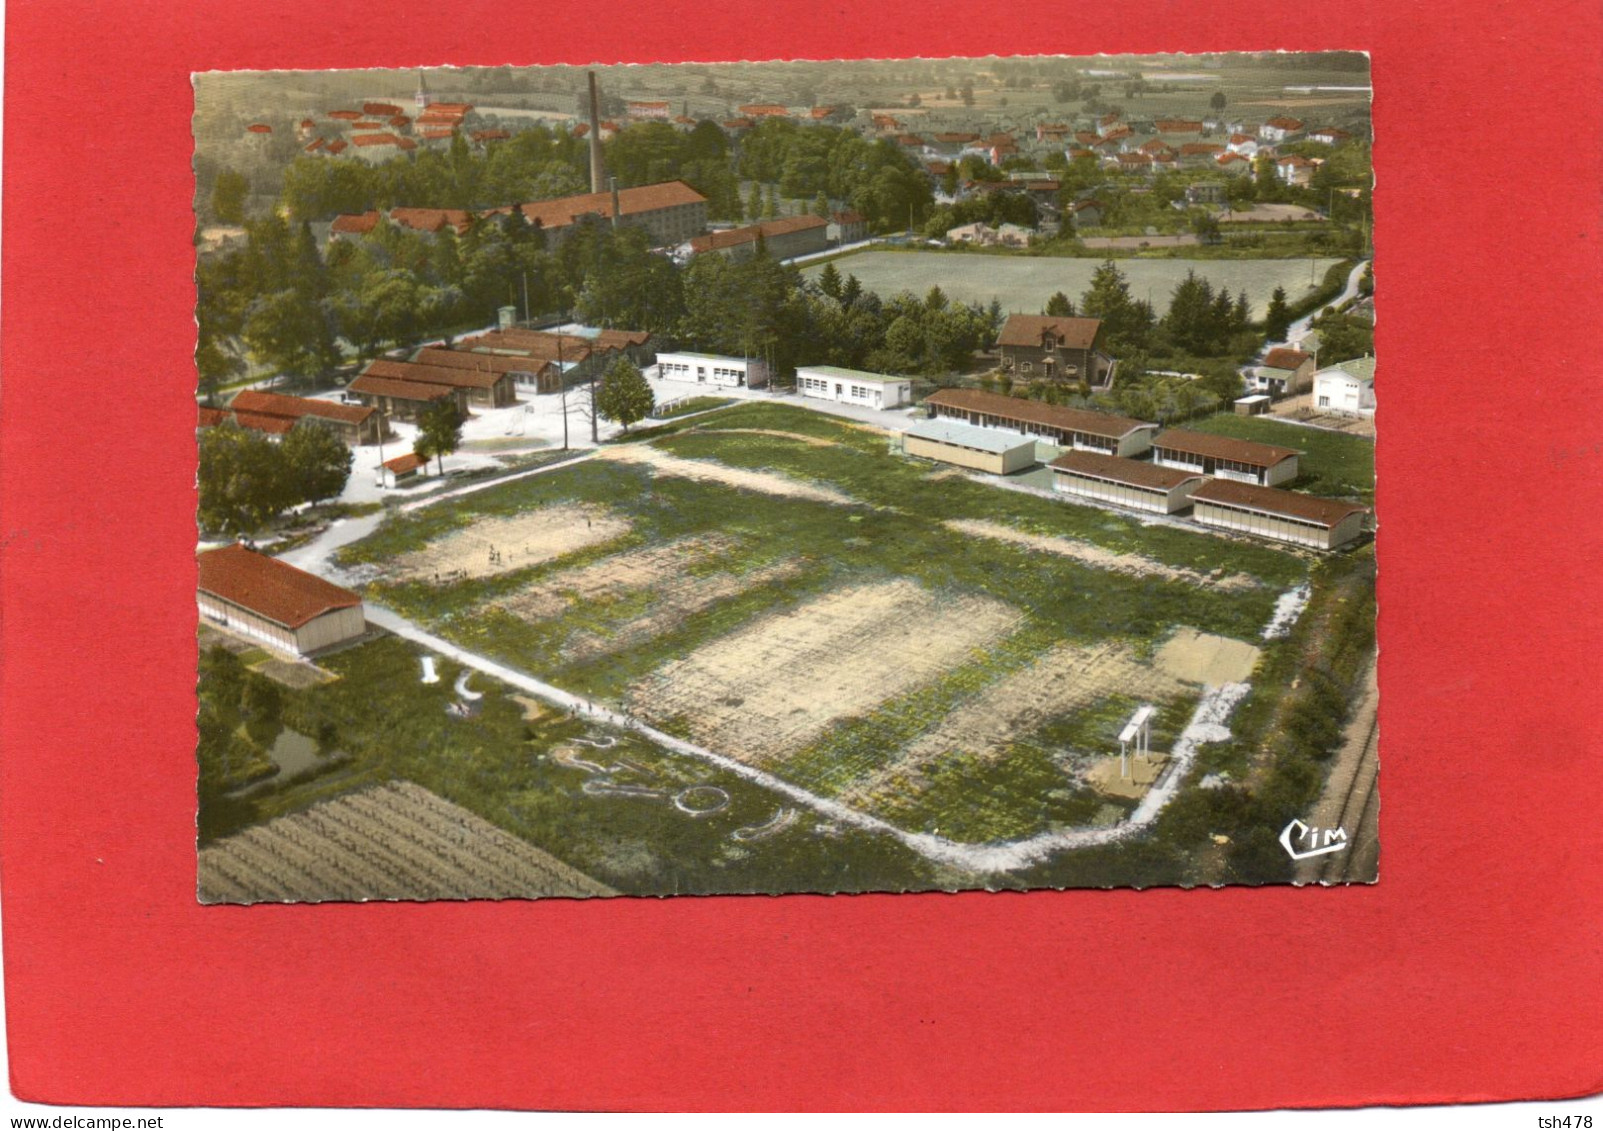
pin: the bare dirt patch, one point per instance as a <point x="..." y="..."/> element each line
<point x="1065" y="678"/>
<point x="764" y="482"/>
<point x="1201" y="657"/>
<point x="769" y="689"/>
<point x="810" y="441"/>
<point x="499" y="545"/>
<point x="1093" y="555"/>
<point x="665" y="576"/>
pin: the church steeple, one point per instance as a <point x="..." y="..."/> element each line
<point x="423" y="96"/>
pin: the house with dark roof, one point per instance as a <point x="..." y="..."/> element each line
<point x="1282" y="372"/>
<point x="1058" y="349"/>
<point x="1225" y="457"/>
<point x="271" y="602"/>
<point x="1286" y="516"/>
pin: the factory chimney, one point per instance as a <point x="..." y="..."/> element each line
<point x="598" y="173"/>
<point x="617" y="209"/>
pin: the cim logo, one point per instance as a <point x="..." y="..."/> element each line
<point x="1303" y="841"/>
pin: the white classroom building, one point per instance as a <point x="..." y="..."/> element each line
<point x="853" y="386"/>
<point x="1124" y="482"/>
<point x="713" y="369"/>
<point x="1347" y="388"/>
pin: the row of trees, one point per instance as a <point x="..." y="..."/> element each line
<point x="246" y="479"/>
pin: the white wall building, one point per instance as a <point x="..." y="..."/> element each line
<point x="853" y="386"/>
<point x="1347" y="388"/>
<point x="713" y="369"/>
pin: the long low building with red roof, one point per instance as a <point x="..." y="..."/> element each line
<point x="271" y="602"/>
<point x="1124" y="482"/>
<point x="1225" y="457"/>
<point x="671" y="212"/>
<point x="784" y="239"/>
<point x="1286" y="516"/>
<point x="355" y="424"/>
<point x="1074" y="428"/>
<point x="404" y="400"/>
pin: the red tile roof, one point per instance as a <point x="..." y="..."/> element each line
<point x="432" y="219"/>
<point x="347" y="224"/>
<point x="338" y="145"/>
<point x="380" y="109"/>
<point x="1027" y="329"/>
<point x="272" y="425"/>
<point x="314" y="145"/>
<point x="850" y="216"/>
<point x="1116" y="469"/>
<point x="374" y="139"/>
<point x="536" y="344"/>
<point x="1290" y="124"/>
<point x="419" y="374"/>
<point x="344" y="115"/>
<point x="821" y="111"/>
<point x="260" y="128"/>
<point x="565" y="210"/>
<point x="400" y="121"/>
<point x="206" y="417"/>
<point x="764" y="110"/>
<point x="441" y="357"/>
<point x="268" y="587"/>
<point x="400" y="465"/>
<point x="715" y="241"/>
<point x="1037" y="412"/>
<point x="1210" y="446"/>
<point x="294" y="408"/>
<point x="581" y="129"/>
<point x="405" y="143"/>
<point x="432" y="133"/>
<point x="366" y="125"/>
<point x="489" y="135"/>
<point x="1284" y="358"/>
<point x="1240" y="139"/>
<point x="1177" y="126"/>
<point x="1230" y="158"/>
<point x="1273" y="501"/>
<point x="375" y="386"/>
<point x="307" y="124"/>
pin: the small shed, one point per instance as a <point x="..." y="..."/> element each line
<point x="403" y="468"/>
<point x="1255" y="405"/>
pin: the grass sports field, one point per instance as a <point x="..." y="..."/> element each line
<point x="1024" y="283"/>
<point x="777" y="587"/>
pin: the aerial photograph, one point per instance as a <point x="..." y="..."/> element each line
<point x="838" y="476"/>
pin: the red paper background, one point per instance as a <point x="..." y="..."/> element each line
<point x="1472" y="971"/>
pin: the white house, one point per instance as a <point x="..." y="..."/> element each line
<point x="713" y="369"/>
<point x="852" y="386"/>
<point x="1347" y="388"/>
<point x="1279" y="129"/>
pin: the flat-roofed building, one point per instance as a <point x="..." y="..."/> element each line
<point x="1124" y="482"/>
<point x="983" y="449"/>
<point x="853" y="386"/>
<point x="273" y="603"/>
<point x="1225" y="457"/>
<point x="713" y="369"/>
<point x="1075" y="428"/>
<point x="1286" y="516"/>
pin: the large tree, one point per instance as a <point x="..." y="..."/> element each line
<point x="228" y="196"/>
<point x="439" y="431"/>
<point x="243" y="481"/>
<point x="1277" y="319"/>
<point x="624" y="395"/>
<point x="318" y="462"/>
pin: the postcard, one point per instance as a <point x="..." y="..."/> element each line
<point x="901" y="475"/>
